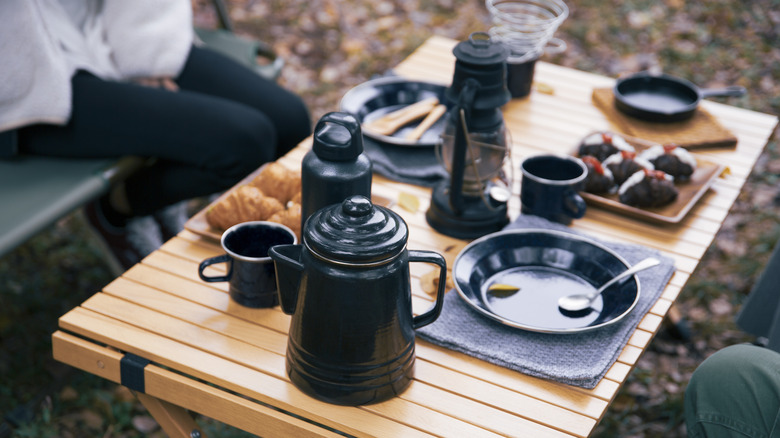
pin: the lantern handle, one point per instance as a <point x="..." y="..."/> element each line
<point x="462" y="112"/>
<point x="484" y="38"/>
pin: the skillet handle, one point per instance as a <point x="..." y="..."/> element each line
<point x="734" y="91"/>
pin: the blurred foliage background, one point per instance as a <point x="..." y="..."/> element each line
<point x="332" y="45"/>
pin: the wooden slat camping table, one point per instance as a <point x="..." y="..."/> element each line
<point x="211" y="356"/>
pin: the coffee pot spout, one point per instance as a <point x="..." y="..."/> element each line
<point x="288" y="274"/>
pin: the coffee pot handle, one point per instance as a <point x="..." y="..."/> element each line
<point x="435" y="258"/>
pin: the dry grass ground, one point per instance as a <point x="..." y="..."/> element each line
<point x="332" y="45"/>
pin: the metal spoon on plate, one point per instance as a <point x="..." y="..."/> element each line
<point x="577" y="302"/>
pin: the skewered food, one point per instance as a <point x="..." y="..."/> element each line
<point x="603" y="144"/>
<point x="671" y="159"/>
<point x="599" y="179"/>
<point x="648" y="188"/>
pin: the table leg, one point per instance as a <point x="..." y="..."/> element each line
<point x="174" y="420"/>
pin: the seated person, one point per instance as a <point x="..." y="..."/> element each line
<point x="111" y="78"/>
<point x="735" y="393"/>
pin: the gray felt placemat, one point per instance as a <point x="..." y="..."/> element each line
<point x="410" y="165"/>
<point x="580" y="359"/>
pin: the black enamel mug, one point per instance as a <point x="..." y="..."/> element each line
<point x="550" y="187"/>
<point x="251" y="274"/>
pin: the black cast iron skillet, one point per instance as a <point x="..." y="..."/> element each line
<point x="663" y="98"/>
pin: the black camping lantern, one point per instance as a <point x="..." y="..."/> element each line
<point x="474" y="144"/>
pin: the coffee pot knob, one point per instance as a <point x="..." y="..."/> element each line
<point x="357" y="206"/>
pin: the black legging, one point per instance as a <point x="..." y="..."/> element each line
<point x="224" y="122"/>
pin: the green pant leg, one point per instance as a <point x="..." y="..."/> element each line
<point x="735" y="393"/>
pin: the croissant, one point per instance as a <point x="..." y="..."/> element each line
<point x="290" y="217"/>
<point x="278" y="181"/>
<point x="246" y="203"/>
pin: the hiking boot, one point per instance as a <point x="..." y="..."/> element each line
<point x="171" y="219"/>
<point x="126" y="245"/>
<point x="144" y="235"/>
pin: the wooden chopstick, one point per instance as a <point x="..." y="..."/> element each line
<point x="391" y="122"/>
<point x="427" y="122"/>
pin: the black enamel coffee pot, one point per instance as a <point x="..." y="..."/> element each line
<point x="347" y="288"/>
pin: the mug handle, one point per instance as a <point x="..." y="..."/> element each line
<point x="435" y="258"/>
<point x="575" y="205"/>
<point x="224" y="258"/>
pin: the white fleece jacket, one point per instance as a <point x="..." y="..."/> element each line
<point x="40" y="50"/>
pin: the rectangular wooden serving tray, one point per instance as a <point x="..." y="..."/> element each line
<point x="689" y="192"/>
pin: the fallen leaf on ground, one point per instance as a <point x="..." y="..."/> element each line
<point x="144" y="423"/>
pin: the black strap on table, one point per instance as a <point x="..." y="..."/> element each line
<point x="131" y="371"/>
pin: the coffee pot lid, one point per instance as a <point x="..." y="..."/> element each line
<point x="355" y="232"/>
